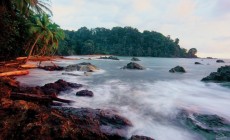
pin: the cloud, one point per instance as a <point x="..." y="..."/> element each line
<point x="200" y="24"/>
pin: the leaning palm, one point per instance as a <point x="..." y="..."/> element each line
<point x="46" y="33"/>
<point x="39" y="27"/>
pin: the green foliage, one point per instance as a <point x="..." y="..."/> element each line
<point x="24" y="23"/>
<point x="125" y="41"/>
<point x="192" y="53"/>
<point x="46" y="34"/>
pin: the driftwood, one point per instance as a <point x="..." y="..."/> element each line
<point x="29" y="66"/>
<point x="14" y="73"/>
<point x="11" y="64"/>
<point x="37" y="98"/>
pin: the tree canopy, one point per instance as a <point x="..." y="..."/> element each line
<point x="125" y="41"/>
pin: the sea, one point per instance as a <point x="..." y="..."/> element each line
<point x="152" y="99"/>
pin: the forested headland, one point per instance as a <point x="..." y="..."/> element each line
<point x="122" y="41"/>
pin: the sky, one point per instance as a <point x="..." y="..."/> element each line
<point x="201" y="24"/>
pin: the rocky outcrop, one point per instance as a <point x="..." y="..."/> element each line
<point x="135" y="59"/>
<point x="134" y="66"/>
<point x="107" y="122"/>
<point x="177" y="69"/>
<point x="222" y="75"/>
<point x="87" y="67"/>
<point x="25" y="119"/>
<point x="220" y="61"/>
<point x="109" y="57"/>
<point x="85" y="93"/>
<point x="210" y="126"/>
<point x="59" y="86"/>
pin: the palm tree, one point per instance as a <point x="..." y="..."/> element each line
<point x="45" y="31"/>
<point x="27" y="7"/>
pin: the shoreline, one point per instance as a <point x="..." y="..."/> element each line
<point x="18" y="102"/>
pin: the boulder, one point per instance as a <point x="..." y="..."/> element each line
<point x="109" y="57"/>
<point x="87" y="67"/>
<point x="136" y="137"/>
<point x="222" y="75"/>
<point x="211" y="126"/>
<point x="85" y="93"/>
<point x="58" y="86"/>
<point x="177" y="69"/>
<point x="197" y="63"/>
<point x="133" y="65"/>
<point x="135" y="59"/>
<point x="110" y="123"/>
<point x="219" y="61"/>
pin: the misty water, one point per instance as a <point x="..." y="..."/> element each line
<point x="151" y="99"/>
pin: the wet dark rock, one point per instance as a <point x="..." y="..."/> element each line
<point x="197" y="63"/>
<point x="210" y="126"/>
<point x="87" y="67"/>
<point x="136" y="137"/>
<point x="222" y="75"/>
<point x="109" y="57"/>
<point x="219" y="61"/>
<point x="26" y="120"/>
<point x="135" y="59"/>
<point x="177" y="69"/>
<point x="52" y="68"/>
<point x="133" y="65"/>
<point x="85" y="93"/>
<point x="110" y="124"/>
<point x="58" y="86"/>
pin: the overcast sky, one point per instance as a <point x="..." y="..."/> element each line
<point x="202" y="24"/>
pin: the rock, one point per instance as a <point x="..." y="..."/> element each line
<point x="133" y="65"/>
<point x="219" y="61"/>
<point x="210" y="126"/>
<point x="135" y="59"/>
<point x="58" y="86"/>
<point x="88" y="67"/>
<point x="136" y="137"/>
<point x="110" y="124"/>
<point x="52" y="68"/>
<point x="109" y="57"/>
<point x="71" y="74"/>
<point x="85" y="93"/>
<point x="26" y="120"/>
<point x="222" y="75"/>
<point x="197" y="63"/>
<point x="177" y="69"/>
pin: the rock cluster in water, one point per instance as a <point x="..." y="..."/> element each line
<point x="87" y="67"/>
<point x="109" y="57"/>
<point x="177" y="69"/>
<point x="85" y="93"/>
<point x="210" y="126"/>
<point x="135" y="59"/>
<point x="133" y="65"/>
<point x="222" y="75"/>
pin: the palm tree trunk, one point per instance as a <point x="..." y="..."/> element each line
<point x="32" y="48"/>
